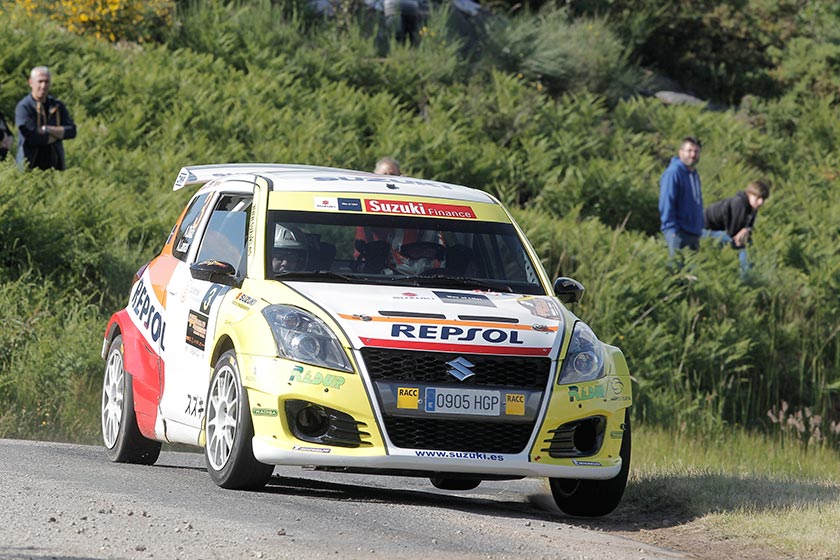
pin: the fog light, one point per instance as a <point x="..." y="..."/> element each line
<point x="312" y="421"/>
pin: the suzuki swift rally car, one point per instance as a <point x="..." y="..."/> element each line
<point x="355" y="322"/>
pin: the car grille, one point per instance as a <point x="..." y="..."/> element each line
<point x="497" y="436"/>
<point x="457" y="435"/>
<point x="431" y="367"/>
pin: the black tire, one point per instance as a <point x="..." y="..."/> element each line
<point x="227" y="451"/>
<point x="122" y="438"/>
<point x="594" y="498"/>
<point x="445" y="483"/>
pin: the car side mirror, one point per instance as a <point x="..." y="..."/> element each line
<point x="568" y="290"/>
<point x="219" y="272"/>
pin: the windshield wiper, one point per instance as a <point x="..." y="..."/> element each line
<point x="456" y="282"/>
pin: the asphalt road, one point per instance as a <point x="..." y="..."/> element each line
<point x="69" y="502"/>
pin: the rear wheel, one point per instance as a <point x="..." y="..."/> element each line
<point x="227" y="452"/>
<point x="594" y="498"/>
<point x="123" y="441"/>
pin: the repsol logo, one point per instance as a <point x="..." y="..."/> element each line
<point x="147" y="314"/>
<point x="459" y="334"/>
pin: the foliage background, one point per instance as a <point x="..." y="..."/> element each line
<point x="547" y="107"/>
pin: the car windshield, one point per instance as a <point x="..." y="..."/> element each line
<point x="398" y="250"/>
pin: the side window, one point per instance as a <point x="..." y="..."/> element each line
<point x="188" y="227"/>
<point x="226" y="236"/>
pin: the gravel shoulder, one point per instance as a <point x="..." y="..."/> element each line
<point x="67" y="501"/>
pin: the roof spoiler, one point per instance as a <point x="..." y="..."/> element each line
<point x="200" y="174"/>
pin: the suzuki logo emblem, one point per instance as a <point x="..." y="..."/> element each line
<point x="460" y="368"/>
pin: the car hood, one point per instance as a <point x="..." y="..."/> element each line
<point x="441" y="320"/>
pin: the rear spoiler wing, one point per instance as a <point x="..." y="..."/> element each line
<point x="200" y="174"/>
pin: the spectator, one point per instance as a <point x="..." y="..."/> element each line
<point x="731" y="220"/>
<point x="403" y="17"/>
<point x="681" y="199"/>
<point x="5" y="137"/>
<point x="43" y="122"/>
<point x="387" y="166"/>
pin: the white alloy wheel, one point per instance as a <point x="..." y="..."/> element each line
<point x="229" y="431"/>
<point x="222" y="416"/>
<point x="113" y="394"/>
<point x="123" y="440"/>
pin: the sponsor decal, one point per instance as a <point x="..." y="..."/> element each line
<point x="264" y="411"/>
<point x="408" y="397"/>
<point x="328" y="380"/>
<point x="311" y="449"/>
<point x="616" y="434"/>
<point x="460" y="455"/>
<point x="541" y="307"/>
<point x="196" y="329"/>
<point x="515" y="404"/>
<point x="326" y="203"/>
<point x="586" y="463"/>
<point x="148" y="315"/>
<point x="245" y="299"/>
<point x="464" y="298"/>
<point x="183" y="175"/>
<point x="412" y="295"/>
<point x="452" y="333"/>
<point x="252" y="233"/>
<point x="350" y="204"/>
<point x="195" y="405"/>
<point x="430" y="209"/>
<point x="587" y="393"/>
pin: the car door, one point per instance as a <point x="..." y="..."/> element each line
<point x="193" y="310"/>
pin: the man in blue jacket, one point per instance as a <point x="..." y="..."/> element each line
<point x="43" y="122"/>
<point x="681" y="200"/>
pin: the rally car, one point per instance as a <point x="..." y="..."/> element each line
<point x="347" y="321"/>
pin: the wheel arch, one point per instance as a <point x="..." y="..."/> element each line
<point x="224" y="344"/>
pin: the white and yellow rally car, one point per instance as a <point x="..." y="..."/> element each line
<point x="312" y="316"/>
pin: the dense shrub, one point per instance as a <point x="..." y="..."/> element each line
<point x="112" y="20"/>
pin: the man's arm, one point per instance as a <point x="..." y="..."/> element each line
<point x="65" y="131"/>
<point x="25" y="118"/>
<point x="668" y="200"/>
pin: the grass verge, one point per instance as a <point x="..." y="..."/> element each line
<point x="741" y="491"/>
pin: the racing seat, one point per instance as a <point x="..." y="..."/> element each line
<point x="373" y="255"/>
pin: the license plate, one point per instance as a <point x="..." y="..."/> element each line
<point x="463" y="401"/>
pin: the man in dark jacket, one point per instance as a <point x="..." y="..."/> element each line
<point x="43" y="122"/>
<point x="731" y="220"/>
<point x="5" y="137"/>
<point x="681" y="200"/>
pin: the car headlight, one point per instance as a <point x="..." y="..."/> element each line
<point x="305" y="338"/>
<point x="585" y="358"/>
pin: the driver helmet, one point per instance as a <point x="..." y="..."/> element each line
<point x="290" y="251"/>
<point x="415" y="252"/>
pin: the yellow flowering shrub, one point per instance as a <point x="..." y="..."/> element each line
<point x="112" y="20"/>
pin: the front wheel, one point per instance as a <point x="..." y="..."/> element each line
<point x="227" y="451"/>
<point x="594" y="498"/>
<point x="123" y="440"/>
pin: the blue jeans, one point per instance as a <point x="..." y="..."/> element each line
<point x="723" y="239"/>
<point x="677" y="240"/>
